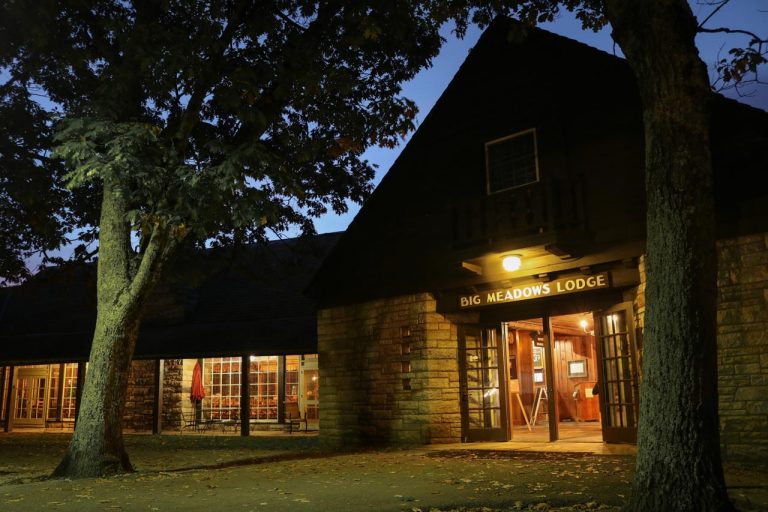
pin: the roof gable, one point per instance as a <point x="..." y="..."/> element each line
<point x="584" y="106"/>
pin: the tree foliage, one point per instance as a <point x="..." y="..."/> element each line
<point x="223" y="117"/>
<point x="196" y="121"/>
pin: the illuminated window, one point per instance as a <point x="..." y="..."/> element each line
<point x="53" y="392"/>
<point x="511" y="161"/>
<point x="292" y="378"/>
<point x="69" y="392"/>
<point x="263" y="388"/>
<point x="221" y="380"/>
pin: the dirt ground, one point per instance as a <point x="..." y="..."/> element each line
<point x="295" y="473"/>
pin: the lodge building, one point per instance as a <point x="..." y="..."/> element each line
<point x="238" y="315"/>
<point x="492" y="287"/>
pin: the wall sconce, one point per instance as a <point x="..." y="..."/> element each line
<point x="511" y="262"/>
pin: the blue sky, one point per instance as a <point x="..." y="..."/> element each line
<point x="427" y="86"/>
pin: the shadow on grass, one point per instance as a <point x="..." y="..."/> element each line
<point x="30" y="457"/>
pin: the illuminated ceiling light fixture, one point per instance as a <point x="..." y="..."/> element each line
<point x="584" y="324"/>
<point x="511" y="262"/>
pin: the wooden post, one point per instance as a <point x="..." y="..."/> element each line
<point x="504" y="384"/>
<point x="2" y="393"/>
<point x="245" y="396"/>
<point x="552" y="409"/>
<point x="9" y="397"/>
<point x="60" y="392"/>
<point x="157" y="405"/>
<point x="281" y="389"/>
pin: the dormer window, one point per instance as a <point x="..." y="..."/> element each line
<point x="511" y="161"/>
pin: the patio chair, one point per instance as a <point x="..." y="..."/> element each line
<point x="294" y="417"/>
<point x="189" y="423"/>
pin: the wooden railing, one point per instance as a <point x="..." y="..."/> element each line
<point x="540" y="208"/>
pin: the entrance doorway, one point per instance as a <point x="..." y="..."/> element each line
<point x="574" y="368"/>
<point x="309" y="398"/>
<point x="591" y="394"/>
<point x="483" y="378"/>
<point x="29" y="397"/>
<point x="561" y="377"/>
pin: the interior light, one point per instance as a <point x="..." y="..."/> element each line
<point x="584" y="324"/>
<point x="511" y="262"/>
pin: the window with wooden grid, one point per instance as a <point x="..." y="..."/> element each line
<point x="292" y="378"/>
<point x="221" y="381"/>
<point x="263" y="388"/>
<point x="511" y="161"/>
<point x="69" y="392"/>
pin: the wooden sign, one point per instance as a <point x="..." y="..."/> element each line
<point x="535" y="290"/>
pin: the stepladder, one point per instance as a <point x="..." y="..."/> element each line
<point x="541" y="395"/>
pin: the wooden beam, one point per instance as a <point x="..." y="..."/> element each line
<point x="9" y="397"/>
<point x="477" y="269"/>
<point x="281" y="388"/>
<point x="552" y="408"/>
<point x="245" y="396"/>
<point x="157" y="402"/>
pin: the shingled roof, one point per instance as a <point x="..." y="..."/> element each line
<point x="219" y="302"/>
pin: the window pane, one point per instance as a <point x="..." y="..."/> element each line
<point x="511" y="162"/>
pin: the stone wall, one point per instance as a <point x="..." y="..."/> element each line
<point x="742" y="319"/>
<point x="389" y="373"/>
<point x="173" y="373"/>
<point x="140" y="396"/>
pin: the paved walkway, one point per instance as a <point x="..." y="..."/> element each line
<point x="282" y="473"/>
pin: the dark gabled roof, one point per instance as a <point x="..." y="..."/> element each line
<point x="581" y="100"/>
<point x="219" y="302"/>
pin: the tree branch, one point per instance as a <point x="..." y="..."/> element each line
<point x="722" y="4"/>
<point x="160" y="245"/>
<point x="726" y="30"/>
<point x="191" y="115"/>
<point x="291" y="21"/>
<point x="308" y="37"/>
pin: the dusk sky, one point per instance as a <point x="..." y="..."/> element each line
<point x="426" y="88"/>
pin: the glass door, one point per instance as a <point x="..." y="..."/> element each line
<point x="484" y="411"/>
<point x="617" y="373"/>
<point x="309" y="399"/>
<point x="29" y="398"/>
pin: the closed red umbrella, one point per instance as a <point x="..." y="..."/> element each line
<point x="197" y="393"/>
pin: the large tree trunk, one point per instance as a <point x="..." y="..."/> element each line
<point x="678" y="463"/>
<point x="97" y="448"/>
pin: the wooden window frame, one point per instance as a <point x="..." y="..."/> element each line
<point x="535" y="160"/>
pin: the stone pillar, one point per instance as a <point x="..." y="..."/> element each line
<point x="742" y="338"/>
<point x="373" y="391"/>
<point x="171" y="396"/>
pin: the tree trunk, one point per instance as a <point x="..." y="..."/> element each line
<point x="97" y="448"/>
<point x="678" y="463"/>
